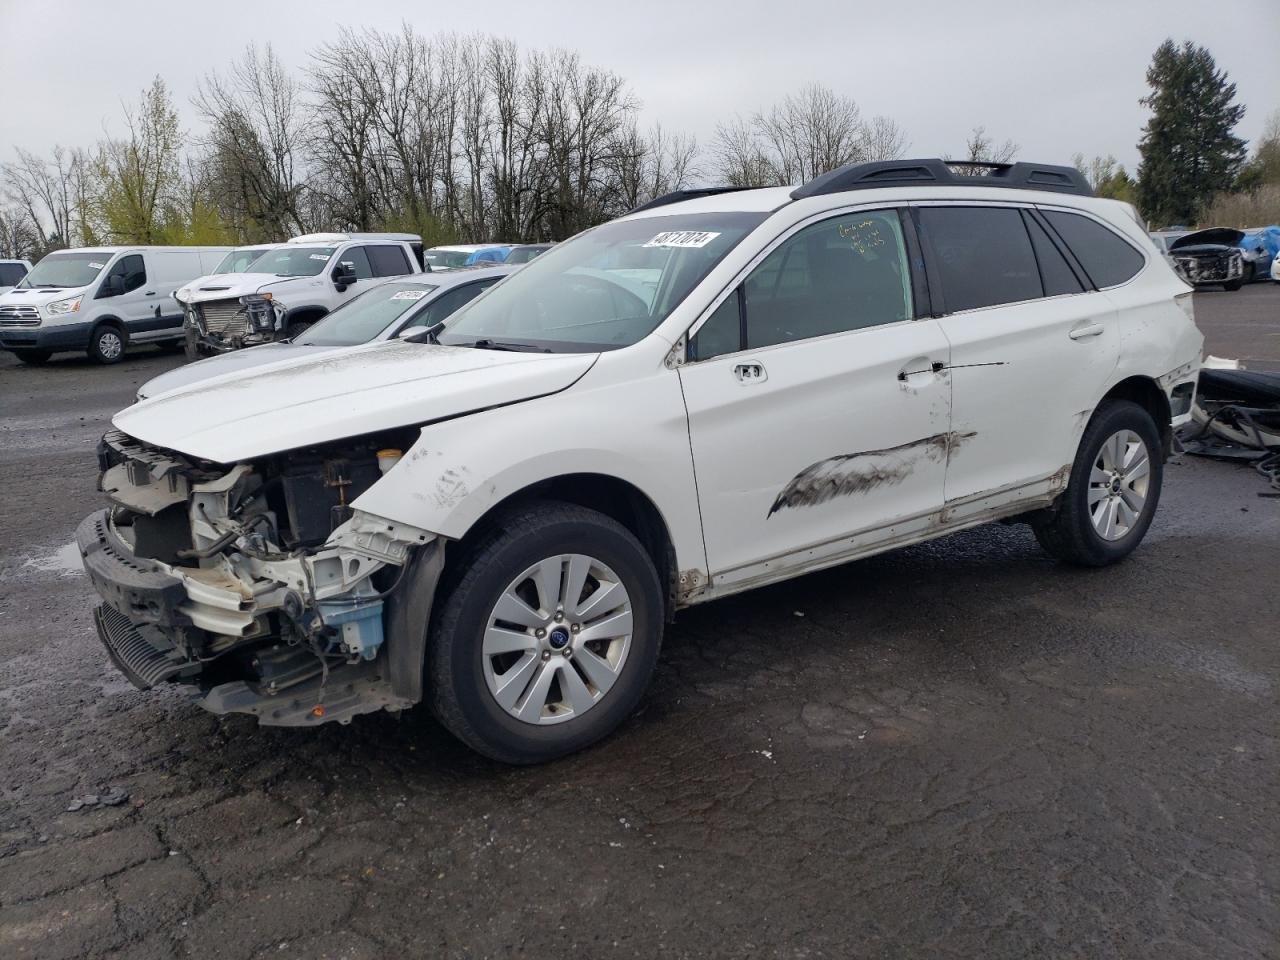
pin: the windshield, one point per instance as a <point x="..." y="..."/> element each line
<point x="238" y="261"/>
<point x="66" y="270"/>
<point x="294" y="261"/>
<point x="523" y="254"/>
<point x="447" y="258"/>
<point x="606" y="288"/>
<point x="363" y="318"/>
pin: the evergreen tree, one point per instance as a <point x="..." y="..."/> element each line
<point x="1188" y="149"/>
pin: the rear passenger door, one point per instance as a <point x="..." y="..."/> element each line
<point x="388" y="260"/>
<point x="818" y="402"/>
<point x="1033" y="347"/>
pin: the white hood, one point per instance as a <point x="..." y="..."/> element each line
<point x="39" y="296"/>
<point x="359" y="390"/>
<point x="231" y="362"/>
<point x="222" y="286"/>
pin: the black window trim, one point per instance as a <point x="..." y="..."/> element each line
<point x="939" y="301"/>
<point x="1057" y="208"/>
<point x="734" y="287"/>
<point x="1082" y="278"/>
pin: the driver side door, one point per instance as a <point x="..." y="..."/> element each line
<point x="819" y="403"/>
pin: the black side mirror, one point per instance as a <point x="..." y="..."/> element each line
<point x="344" y="275"/>
<point x="112" y="286"/>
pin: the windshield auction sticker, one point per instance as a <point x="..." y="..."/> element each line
<point x="682" y="238"/>
<point x="408" y="295"/>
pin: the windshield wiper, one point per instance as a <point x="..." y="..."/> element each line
<point x="486" y="344"/>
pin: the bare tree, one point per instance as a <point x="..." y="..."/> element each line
<point x="46" y="190"/>
<point x="255" y="133"/>
<point x="19" y="237"/>
<point x="980" y="149"/>
<point x="883" y="139"/>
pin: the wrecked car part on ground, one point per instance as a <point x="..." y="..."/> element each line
<point x="1236" y="416"/>
<point x="258" y="583"/>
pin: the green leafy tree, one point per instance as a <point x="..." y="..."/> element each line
<point x="1188" y="149"/>
<point x="1263" y="168"/>
<point x="139" y="178"/>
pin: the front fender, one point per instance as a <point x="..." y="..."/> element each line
<point x="636" y="431"/>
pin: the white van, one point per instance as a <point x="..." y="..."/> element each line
<point x="99" y="299"/>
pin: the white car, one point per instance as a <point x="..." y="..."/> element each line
<point x="290" y="287"/>
<point x="453" y="256"/>
<point x="386" y="309"/>
<point x="499" y="516"/>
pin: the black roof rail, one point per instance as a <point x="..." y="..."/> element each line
<point x="676" y="196"/>
<point x="941" y="173"/>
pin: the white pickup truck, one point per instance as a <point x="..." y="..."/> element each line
<point x="291" y="286"/>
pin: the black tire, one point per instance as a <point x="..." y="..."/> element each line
<point x="107" y="343"/>
<point x="1234" y="285"/>
<point x="296" y="330"/>
<point x="1068" y="532"/>
<point x="191" y="342"/>
<point x="34" y="358"/>
<point x="459" y="693"/>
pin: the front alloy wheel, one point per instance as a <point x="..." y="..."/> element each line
<point x="545" y="633"/>
<point x="557" y="639"/>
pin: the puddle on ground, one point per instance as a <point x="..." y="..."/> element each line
<point x="65" y="561"/>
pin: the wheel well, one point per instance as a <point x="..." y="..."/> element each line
<point x="1145" y="393"/>
<point x="615" y="498"/>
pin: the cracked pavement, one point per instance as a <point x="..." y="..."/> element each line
<point x="956" y="750"/>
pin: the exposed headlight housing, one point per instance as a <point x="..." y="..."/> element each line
<point x="61" y="307"/>
<point x="258" y="308"/>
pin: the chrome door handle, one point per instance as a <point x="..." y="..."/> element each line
<point x="1087" y="330"/>
<point x="750" y="372"/>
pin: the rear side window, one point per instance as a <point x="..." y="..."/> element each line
<point x="1106" y="257"/>
<point x="1056" y="273"/>
<point x="388" y="261"/>
<point x="983" y="256"/>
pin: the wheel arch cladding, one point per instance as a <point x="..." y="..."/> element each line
<point x="1147" y="394"/>
<point x="615" y="498"/>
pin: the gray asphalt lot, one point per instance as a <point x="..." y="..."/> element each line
<point x="961" y="749"/>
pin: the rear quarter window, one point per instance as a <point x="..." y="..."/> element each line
<point x="1106" y="257"/>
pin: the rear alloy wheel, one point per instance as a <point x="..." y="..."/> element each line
<point x="548" y="636"/>
<point x="1113" y="490"/>
<point x="107" y="344"/>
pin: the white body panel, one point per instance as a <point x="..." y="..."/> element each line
<point x="644" y="415"/>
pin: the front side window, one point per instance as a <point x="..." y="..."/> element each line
<point x="607" y="288"/>
<point x="294" y="261"/>
<point x="358" y="261"/>
<point x="363" y="318"/>
<point x="131" y="271"/>
<point x="59" y="270"/>
<point x="448" y="303"/>
<point x="1106" y="257"/>
<point x="842" y="274"/>
<point x="983" y="256"/>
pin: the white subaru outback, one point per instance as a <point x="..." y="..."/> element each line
<point x="723" y="389"/>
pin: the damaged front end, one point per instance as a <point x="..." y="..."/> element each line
<point x="257" y="584"/>
<point x="233" y="323"/>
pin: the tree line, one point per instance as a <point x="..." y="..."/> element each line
<point x="471" y="138"/>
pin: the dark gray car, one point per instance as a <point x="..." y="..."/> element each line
<point x="380" y="313"/>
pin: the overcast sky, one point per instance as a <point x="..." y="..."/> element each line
<point x="1056" y="78"/>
